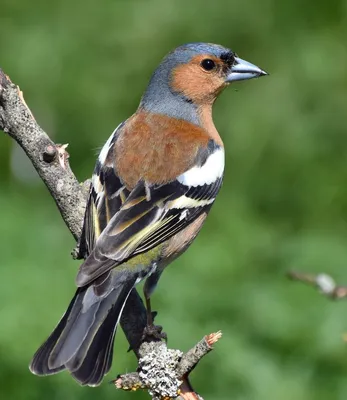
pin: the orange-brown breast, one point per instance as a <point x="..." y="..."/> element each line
<point x="156" y="148"/>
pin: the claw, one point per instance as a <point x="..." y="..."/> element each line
<point x="153" y="333"/>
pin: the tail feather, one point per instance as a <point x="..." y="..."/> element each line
<point x="83" y="340"/>
<point x="39" y="363"/>
<point x="61" y="353"/>
<point x="99" y="357"/>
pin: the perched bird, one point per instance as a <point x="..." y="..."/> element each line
<point x="154" y="183"/>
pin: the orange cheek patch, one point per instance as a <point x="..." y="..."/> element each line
<point x="196" y="84"/>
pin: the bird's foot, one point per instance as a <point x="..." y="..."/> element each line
<point x="153" y="333"/>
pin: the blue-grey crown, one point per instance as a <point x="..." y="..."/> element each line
<point x="186" y="52"/>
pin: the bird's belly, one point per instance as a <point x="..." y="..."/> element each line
<point x="179" y="243"/>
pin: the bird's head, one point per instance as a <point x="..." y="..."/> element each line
<point x="200" y="71"/>
<point x="195" y="73"/>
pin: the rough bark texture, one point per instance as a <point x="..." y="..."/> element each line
<point x="162" y="371"/>
<point x="18" y="122"/>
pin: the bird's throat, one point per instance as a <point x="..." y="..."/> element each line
<point x="204" y="112"/>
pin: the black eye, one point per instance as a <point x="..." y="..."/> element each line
<point x="208" y="64"/>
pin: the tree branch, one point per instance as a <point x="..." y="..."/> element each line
<point x="163" y="372"/>
<point x="324" y="283"/>
<point x="49" y="160"/>
<point x="157" y="360"/>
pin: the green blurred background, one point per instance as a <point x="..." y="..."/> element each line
<point x="83" y="66"/>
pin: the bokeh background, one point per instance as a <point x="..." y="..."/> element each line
<point x="83" y="66"/>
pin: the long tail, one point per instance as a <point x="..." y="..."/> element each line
<point x="82" y="342"/>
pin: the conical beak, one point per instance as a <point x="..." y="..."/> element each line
<point x="244" y="70"/>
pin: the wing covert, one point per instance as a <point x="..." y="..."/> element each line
<point x="150" y="216"/>
<point x="106" y="195"/>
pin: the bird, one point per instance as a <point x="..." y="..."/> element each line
<point x="154" y="183"/>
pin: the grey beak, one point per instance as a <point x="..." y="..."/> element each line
<point x="244" y="70"/>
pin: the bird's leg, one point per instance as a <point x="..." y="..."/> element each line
<point x="151" y="331"/>
<point x="150" y="319"/>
